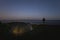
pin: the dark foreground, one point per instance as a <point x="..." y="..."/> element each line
<point x="39" y="32"/>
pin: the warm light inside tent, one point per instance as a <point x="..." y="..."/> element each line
<point x="18" y="31"/>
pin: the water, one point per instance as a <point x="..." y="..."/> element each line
<point x="50" y="22"/>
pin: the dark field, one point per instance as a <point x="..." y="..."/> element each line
<point x="39" y="32"/>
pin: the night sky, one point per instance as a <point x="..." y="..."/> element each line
<point x="29" y="9"/>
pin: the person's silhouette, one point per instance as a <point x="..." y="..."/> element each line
<point x="43" y="20"/>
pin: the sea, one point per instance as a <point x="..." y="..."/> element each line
<point x="50" y="22"/>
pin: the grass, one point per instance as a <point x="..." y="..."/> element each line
<point x="40" y="31"/>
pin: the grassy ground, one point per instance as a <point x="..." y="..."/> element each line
<point x="41" y="32"/>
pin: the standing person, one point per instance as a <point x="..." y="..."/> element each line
<point x="43" y="20"/>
